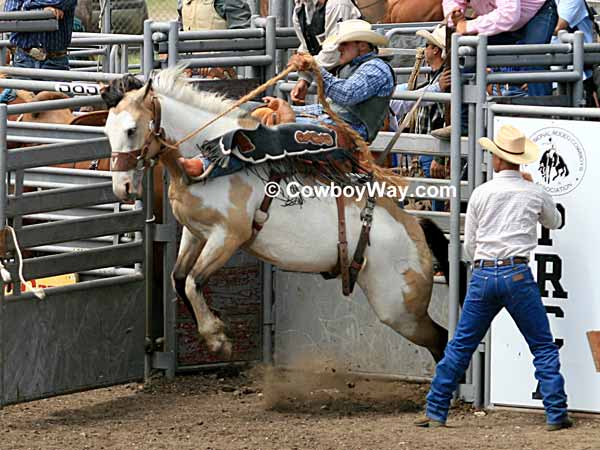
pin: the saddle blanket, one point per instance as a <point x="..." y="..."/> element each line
<point x="273" y="143"/>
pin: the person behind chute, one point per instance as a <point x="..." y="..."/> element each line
<point x="314" y="21"/>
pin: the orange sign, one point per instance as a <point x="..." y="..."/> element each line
<point x="58" y="280"/>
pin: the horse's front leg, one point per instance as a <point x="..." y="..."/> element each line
<point x="213" y="255"/>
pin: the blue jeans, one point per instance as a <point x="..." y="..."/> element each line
<point x="425" y="163"/>
<point x="22" y="59"/>
<point x="491" y="289"/>
<point x="537" y="31"/>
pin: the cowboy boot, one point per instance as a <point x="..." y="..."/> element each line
<point x="192" y="167"/>
<point x="426" y="422"/>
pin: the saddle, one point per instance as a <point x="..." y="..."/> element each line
<point x="265" y="144"/>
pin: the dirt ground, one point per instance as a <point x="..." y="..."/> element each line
<point x="263" y="409"/>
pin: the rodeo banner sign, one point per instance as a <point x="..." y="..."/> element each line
<point x="565" y="265"/>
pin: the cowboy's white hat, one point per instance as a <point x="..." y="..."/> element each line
<point x="358" y="30"/>
<point x="511" y="145"/>
<point x="437" y="38"/>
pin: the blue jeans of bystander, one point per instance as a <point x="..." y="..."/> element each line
<point x="491" y="289"/>
<point x="537" y="31"/>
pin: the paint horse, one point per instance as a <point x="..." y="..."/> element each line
<point x="218" y="215"/>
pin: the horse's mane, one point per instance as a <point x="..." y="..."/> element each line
<point x="169" y="82"/>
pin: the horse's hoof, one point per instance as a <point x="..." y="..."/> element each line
<point x="221" y="347"/>
<point x="226" y="351"/>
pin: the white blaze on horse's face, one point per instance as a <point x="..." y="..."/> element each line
<point x="125" y="134"/>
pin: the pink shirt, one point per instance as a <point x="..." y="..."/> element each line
<point x="496" y="16"/>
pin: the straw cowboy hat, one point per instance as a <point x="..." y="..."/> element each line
<point x="437" y="38"/>
<point x="357" y="30"/>
<point x="511" y="145"/>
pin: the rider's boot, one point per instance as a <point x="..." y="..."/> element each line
<point x="192" y="167"/>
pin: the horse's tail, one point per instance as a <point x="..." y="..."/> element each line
<point x="438" y="244"/>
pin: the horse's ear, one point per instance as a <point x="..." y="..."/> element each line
<point x="147" y="88"/>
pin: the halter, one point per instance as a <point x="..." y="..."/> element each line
<point x="136" y="159"/>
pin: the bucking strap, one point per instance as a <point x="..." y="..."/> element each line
<point x="264" y="207"/>
<point x="343" y="246"/>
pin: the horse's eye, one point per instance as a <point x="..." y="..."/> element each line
<point x="131" y="132"/>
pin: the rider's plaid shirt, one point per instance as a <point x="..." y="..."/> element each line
<point x="372" y="79"/>
<point x="52" y="41"/>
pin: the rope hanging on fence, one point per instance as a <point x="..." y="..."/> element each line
<point x="5" y="274"/>
<point x="366" y="159"/>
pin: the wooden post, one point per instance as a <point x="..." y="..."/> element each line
<point x="594" y="340"/>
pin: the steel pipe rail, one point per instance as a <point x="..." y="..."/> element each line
<point x="593" y="113"/>
<point x="48" y="105"/>
<point x="263" y="60"/>
<point x="223" y="54"/>
<point x="221" y="34"/>
<point x="521" y="49"/>
<point x="31" y="26"/>
<point x="53" y="130"/>
<point x="406" y="31"/>
<point x="455" y="170"/>
<point x="589" y="59"/>
<point x="43" y="155"/>
<point x="110" y="39"/>
<point x="85" y="53"/>
<point x="384" y="27"/>
<point x="416" y="144"/>
<point x="63" y="75"/>
<point x="107" y="256"/>
<point x="399" y="94"/>
<point x="217" y="45"/>
<point x="285" y="32"/>
<point x="86" y="35"/>
<point x="528" y="77"/>
<point x="36" y="14"/>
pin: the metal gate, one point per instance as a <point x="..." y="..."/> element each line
<point x="85" y="334"/>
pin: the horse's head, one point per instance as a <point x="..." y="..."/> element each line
<point x="133" y="129"/>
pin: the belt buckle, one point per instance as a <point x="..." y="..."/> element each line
<point x="500" y="262"/>
<point x="39" y="54"/>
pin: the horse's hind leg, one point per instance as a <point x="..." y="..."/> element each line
<point x="402" y="305"/>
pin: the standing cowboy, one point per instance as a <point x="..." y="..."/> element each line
<point x="500" y="232"/>
<point x="314" y="21"/>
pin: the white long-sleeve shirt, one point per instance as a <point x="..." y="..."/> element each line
<point x="502" y="217"/>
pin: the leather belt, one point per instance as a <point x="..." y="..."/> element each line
<point x="500" y="262"/>
<point x="41" y="54"/>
